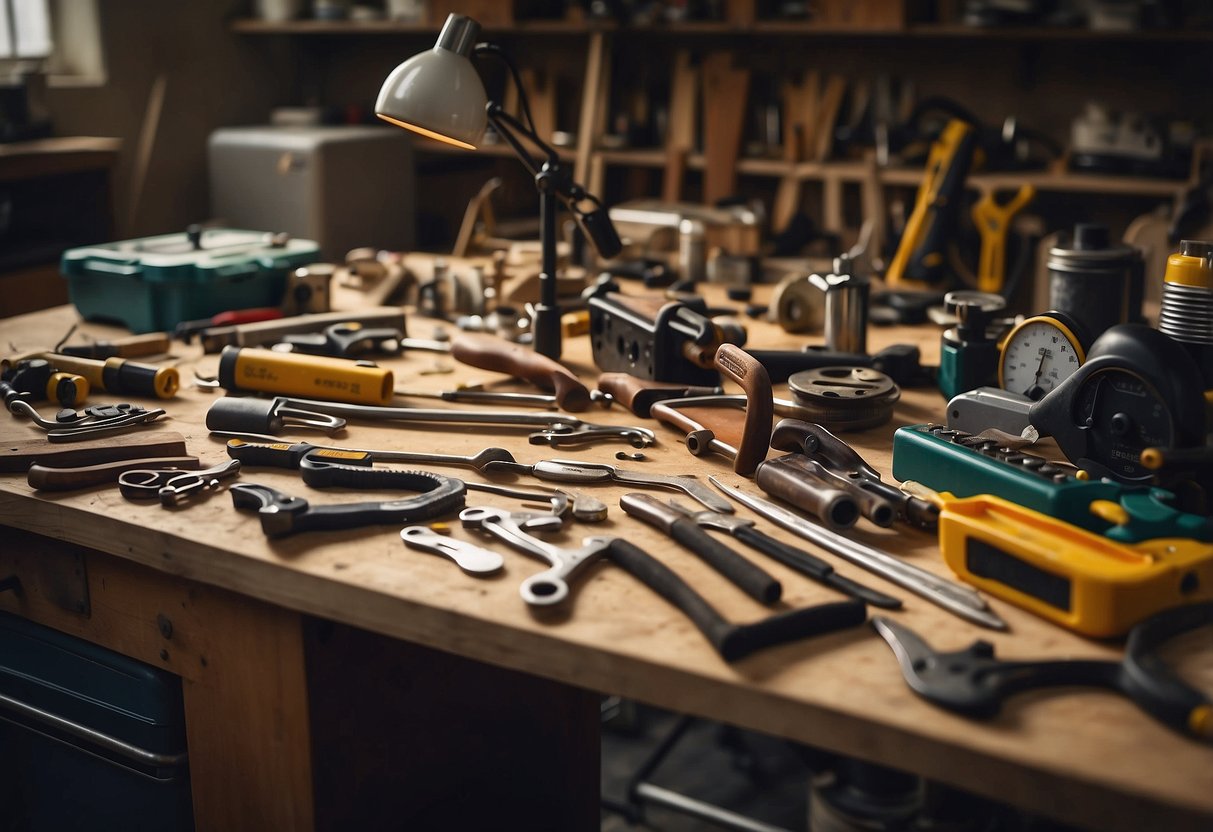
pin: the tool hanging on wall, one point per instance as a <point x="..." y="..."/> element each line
<point x="732" y="642"/>
<point x="921" y="259"/>
<point x="974" y="683"/>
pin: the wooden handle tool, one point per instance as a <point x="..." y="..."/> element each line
<point x="639" y="395"/>
<point x="489" y="352"/>
<point x="741" y="367"/>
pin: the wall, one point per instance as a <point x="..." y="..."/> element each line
<point x="213" y="79"/>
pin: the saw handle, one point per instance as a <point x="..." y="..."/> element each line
<point x="741" y="367"/>
<point x="488" y="352"/>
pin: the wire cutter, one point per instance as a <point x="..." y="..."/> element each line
<point x="174" y="487"/>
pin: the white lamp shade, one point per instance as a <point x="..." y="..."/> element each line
<point x="437" y="94"/>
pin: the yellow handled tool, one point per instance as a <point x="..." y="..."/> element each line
<point x="117" y="375"/>
<point x="920" y="258"/>
<point x="305" y="376"/>
<point x="993" y="223"/>
<point x="1078" y="579"/>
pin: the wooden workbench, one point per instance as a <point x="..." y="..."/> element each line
<point x="281" y="645"/>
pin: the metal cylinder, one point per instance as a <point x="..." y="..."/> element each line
<point x="1187" y="302"/>
<point x="846" y="308"/>
<point x="1098" y="284"/>
<point x="693" y="250"/>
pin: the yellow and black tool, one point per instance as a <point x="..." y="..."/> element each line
<point x="117" y="375"/>
<point x="306" y="376"/>
<point x="1083" y="581"/>
<point x="993" y="221"/>
<point x="921" y="258"/>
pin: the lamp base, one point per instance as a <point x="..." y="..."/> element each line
<point x="545" y="330"/>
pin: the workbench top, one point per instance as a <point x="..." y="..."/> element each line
<point x="1079" y="756"/>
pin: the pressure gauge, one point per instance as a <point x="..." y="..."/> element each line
<point x="1039" y="354"/>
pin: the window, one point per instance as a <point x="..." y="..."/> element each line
<point x="25" y="29"/>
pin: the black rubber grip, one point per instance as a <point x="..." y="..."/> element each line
<point x="243" y="414"/>
<point x="814" y="567"/>
<point x="752" y="580"/>
<point x="744" y="639"/>
<point x="731" y="641"/>
<point x="789" y="556"/>
<point x="782" y="364"/>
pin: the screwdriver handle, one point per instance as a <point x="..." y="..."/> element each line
<point x="488" y="352"/>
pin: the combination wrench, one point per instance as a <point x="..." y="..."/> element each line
<point x="731" y="641"/>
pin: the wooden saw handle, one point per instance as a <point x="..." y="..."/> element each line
<point x="488" y="352"/>
<point x="739" y="366"/>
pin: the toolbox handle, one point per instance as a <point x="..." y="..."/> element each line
<point x="244" y="268"/>
<point x="129" y="268"/>
<point x="30" y="716"/>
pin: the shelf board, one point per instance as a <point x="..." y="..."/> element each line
<point x="497" y="150"/>
<point x="856" y="172"/>
<point x="250" y="26"/>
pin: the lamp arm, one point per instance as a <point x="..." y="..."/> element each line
<point x="492" y="50"/>
<point x="514" y="128"/>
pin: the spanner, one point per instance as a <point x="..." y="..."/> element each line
<point x="555" y="429"/>
<point x="328" y="467"/>
<point x="566" y="470"/>
<point x="471" y="558"/>
<point x="732" y="641"/>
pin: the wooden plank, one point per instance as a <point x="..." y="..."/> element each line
<point x="725" y="90"/>
<point x="241" y="663"/>
<point x="680" y="140"/>
<point x="593" y="104"/>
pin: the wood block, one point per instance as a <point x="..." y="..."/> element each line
<point x="724" y="96"/>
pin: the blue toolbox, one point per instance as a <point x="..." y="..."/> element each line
<point x="89" y="739"/>
<point x="154" y="283"/>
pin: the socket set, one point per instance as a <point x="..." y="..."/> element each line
<point x="966" y="465"/>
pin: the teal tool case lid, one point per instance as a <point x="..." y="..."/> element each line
<point x="154" y="283"/>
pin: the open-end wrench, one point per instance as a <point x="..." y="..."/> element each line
<point x="555" y="429"/>
<point x="470" y="558"/>
<point x="566" y="470"/>
<point x="732" y="641"/>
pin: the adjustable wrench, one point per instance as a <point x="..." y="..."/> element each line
<point x="566" y="470"/>
<point x="732" y="641"/>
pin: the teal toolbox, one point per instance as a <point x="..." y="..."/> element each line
<point x="154" y="283"/>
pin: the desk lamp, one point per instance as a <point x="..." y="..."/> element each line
<point x="439" y="94"/>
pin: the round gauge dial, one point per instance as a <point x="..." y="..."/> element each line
<point x="1039" y="354"/>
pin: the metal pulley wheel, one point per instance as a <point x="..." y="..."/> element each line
<point x="845" y="398"/>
